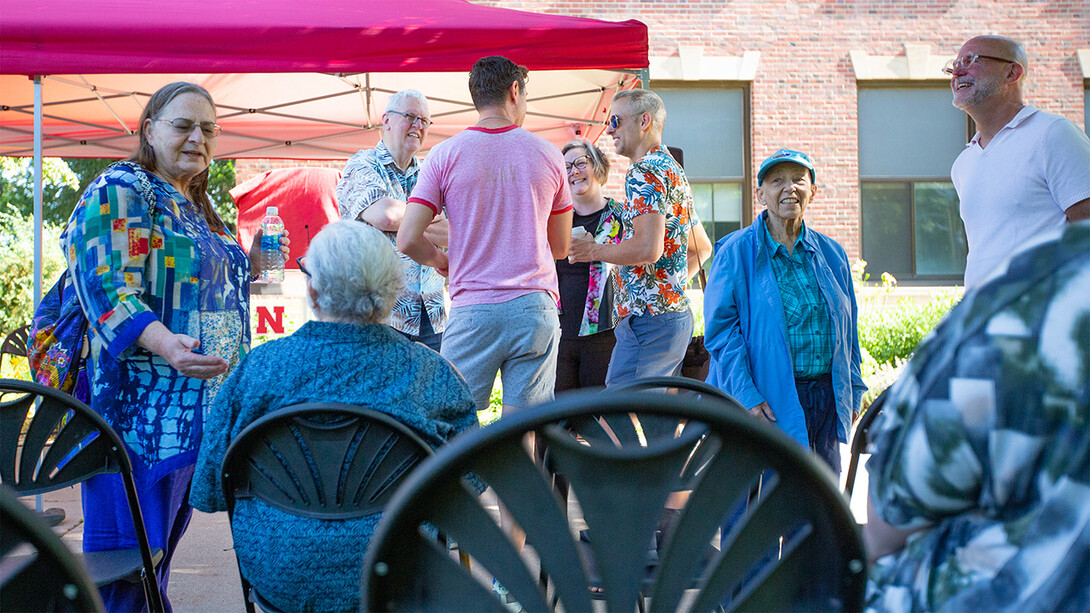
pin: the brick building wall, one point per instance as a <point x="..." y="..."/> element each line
<point x="804" y="91"/>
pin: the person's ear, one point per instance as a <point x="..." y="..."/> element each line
<point x="1015" y="72"/>
<point x="645" y="122"/>
<point x="513" y="91"/>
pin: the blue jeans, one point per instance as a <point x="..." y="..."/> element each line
<point x="819" y="407"/>
<point x="649" y="346"/>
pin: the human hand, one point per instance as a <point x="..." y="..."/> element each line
<point x="177" y="349"/>
<point x="581" y="249"/>
<point x="255" y="249"/>
<point x="443" y="266"/>
<point x="763" y="412"/>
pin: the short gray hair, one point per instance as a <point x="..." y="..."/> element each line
<point x="597" y="159"/>
<point x="645" y="101"/>
<point x="395" y="101"/>
<point x="355" y="272"/>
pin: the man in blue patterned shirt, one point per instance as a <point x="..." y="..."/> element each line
<point x="374" y="188"/>
<point x="780" y="316"/>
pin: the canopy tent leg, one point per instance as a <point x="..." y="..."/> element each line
<point x="37" y="211"/>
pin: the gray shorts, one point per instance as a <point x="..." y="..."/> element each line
<point x="517" y="338"/>
<point x="649" y="346"/>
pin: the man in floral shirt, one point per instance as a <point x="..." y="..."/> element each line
<point x="653" y="259"/>
<point x="980" y="478"/>
<point x="374" y="188"/>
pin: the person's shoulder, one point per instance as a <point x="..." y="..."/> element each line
<point x="1060" y="130"/>
<point x="363" y="156"/>
<point x="125" y="174"/>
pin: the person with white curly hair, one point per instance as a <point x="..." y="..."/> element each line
<point x="350" y="356"/>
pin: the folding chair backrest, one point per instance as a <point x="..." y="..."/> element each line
<point x="15" y="344"/>
<point x="795" y="547"/>
<point x="322" y="460"/>
<point x="50" y="440"/>
<point x="861" y="439"/>
<point x="47" y="576"/>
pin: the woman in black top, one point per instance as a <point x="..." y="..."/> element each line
<point x="586" y="288"/>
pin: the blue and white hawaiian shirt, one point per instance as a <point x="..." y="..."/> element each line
<point x="372" y="174"/>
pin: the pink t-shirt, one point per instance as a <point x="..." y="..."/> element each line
<point x="498" y="188"/>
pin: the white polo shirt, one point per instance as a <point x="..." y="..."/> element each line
<point x="1015" y="191"/>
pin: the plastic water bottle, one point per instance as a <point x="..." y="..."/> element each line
<point x="272" y="259"/>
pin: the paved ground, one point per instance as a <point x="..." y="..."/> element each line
<point x="204" y="576"/>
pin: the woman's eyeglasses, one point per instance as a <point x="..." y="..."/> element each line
<point x="185" y="126"/>
<point x="580" y="163"/>
<point x="302" y="269"/>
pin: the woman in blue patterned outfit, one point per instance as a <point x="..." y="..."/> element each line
<point x="165" y="288"/>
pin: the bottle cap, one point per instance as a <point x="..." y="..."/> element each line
<point x="270" y="211"/>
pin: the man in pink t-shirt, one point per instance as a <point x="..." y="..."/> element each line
<point x="505" y="194"/>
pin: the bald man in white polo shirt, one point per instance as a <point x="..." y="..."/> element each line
<point x="1026" y="171"/>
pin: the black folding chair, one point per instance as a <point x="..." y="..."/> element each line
<point x="682" y="385"/>
<point x="323" y="460"/>
<point x="796" y="548"/>
<point x="15" y="343"/>
<point x="39" y="572"/>
<point x="50" y="440"/>
<point x="861" y="439"/>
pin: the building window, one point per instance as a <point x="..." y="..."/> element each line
<point x="708" y="125"/>
<point x="908" y="139"/>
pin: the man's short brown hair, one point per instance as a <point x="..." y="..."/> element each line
<point x="491" y="76"/>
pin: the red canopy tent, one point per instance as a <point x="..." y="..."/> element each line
<point x="293" y="80"/>
<point x="306" y="199"/>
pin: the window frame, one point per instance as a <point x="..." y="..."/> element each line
<point x="746" y="179"/>
<point x="914" y="279"/>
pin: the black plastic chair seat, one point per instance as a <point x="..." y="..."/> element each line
<point x="116" y="564"/>
<point x="105" y="567"/>
<point x="37" y="571"/>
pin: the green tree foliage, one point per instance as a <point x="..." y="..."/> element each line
<point x="221" y="178"/>
<point x="61" y="186"/>
<point x="17" y="267"/>
<point x="63" y="182"/>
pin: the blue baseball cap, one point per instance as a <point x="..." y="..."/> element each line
<point x="786" y="155"/>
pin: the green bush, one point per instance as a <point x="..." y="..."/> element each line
<point x="891" y="334"/>
<point x="17" y="266"/>
<point x="888" y="334"/>
<point x="495" y="405"/>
